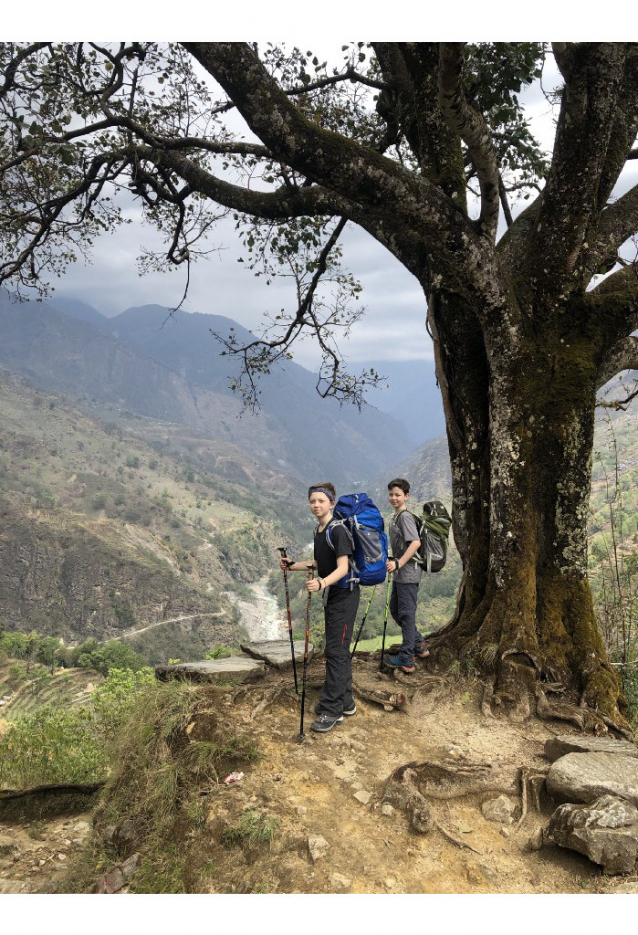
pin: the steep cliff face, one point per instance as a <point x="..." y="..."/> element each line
<point x="77" y="578"/>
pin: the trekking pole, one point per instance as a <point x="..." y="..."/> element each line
<point x="305" y="657"/>
<point x="356" y="642"/>
<point x="385" y="618"/>
<point x="283" y="551"/>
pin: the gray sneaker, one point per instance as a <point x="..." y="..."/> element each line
<point x="325" y="722"/>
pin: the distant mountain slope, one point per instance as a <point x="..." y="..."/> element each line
<point x="186" y="383"/>
<point x="411" y="395"/>
<point x="77" y="309"/>
<point x="183" y="342"/>
<point x="108" y="526"/>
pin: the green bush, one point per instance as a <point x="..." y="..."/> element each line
<point x="76" y="744"/>
<point x="53" y="745"/>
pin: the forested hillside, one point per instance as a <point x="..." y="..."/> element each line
<point x="115" y="523"/>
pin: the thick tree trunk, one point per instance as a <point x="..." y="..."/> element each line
<point x="520" y="430"/>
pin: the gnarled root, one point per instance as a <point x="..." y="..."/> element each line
<point x="402" y="792"/>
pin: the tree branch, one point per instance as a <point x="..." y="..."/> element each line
<point x="570" y="199"/>
<point x="622" y="356"/>
<point x="351" y="170"/>
<point x="471" y="127"/>
<point x="618" y="222"/>
<point x="285" y="202"/>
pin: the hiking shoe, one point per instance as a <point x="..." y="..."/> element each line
<point x="421" y="651"/>
<point x="325" y="722"/>
<point x="395" y="662"/>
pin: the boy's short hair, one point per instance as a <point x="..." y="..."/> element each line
<point x="401" y="483"/>
<point x="327" y="486"/>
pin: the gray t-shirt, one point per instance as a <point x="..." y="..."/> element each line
<point x="403" y="531"/>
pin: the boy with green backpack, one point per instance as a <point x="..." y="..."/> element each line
<point x="405" y="540"/>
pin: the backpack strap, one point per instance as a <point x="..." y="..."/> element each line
<point x="354" y="571"/>
<point x="418" y="522"/>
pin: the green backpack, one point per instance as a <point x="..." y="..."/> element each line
<point x="434" y="529"/>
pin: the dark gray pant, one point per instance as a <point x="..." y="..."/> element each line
<point x="340" y="613"/>
<point x="403" y="610"/>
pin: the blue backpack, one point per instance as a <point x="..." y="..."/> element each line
<point x="364" y="524"/>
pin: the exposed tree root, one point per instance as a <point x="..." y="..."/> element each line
<point x="624" y="732"/>
<point x="486" y="701"/>
<point x="389" y="701"/>
<point x="402" y="792"/>
<point x="77" y="788"/>
<point x="531" y="781"/>
<point x="454" y="840"/>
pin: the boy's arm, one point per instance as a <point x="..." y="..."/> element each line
<point x="411" y="550"/>
<point x="287" y="564"/>
<point x="320" y="584"/>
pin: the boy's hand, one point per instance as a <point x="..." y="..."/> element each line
<point x="392" y="565"/>
<point x="285" y="563"/>
<point x="313" y="585"/>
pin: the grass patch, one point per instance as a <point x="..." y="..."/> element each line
<point x="251" y="828"/>
<point x="172" y="745"/>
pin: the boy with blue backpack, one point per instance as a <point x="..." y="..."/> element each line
<point x="405" y="540"/>
<point x="350" y="549"/>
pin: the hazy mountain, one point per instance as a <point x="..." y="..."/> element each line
<point x="175" y="373"/>
<point x="77" y="309"/>
<point x="411" y="395"/>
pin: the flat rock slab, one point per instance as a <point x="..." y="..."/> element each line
<point x="583" y="777"/>
<point x="277" y="653"/>
<point x="210" y="670"/>
<point x="568" y="743"/>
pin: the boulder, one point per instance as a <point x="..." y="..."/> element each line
<point x="317" y="847"/>
<point x="584" y="777"/>
<point x="501" y="809"/>
<point x="111" y="883"/>
<point x="606" y="831"/>
<point x="569" y="743"/>
<point x="277" y="653"/>
<point x="238" y="668"/>
<point x="339" y="882"/>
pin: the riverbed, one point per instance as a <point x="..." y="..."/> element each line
<point x="261" y="618"/>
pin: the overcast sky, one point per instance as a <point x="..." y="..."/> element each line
<point x="393" y="326"/>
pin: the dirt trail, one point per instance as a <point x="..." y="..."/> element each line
<point x="161" y="623"/>
<point x="311" y="789"/>
<point x="35" y="855"/>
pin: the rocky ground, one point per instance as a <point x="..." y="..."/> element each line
<point x="34" y="855"/>
<point x="338" y="826"/>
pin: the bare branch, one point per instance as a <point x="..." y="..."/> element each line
<point x="259" y="356"/>
<point x="509" y="220"/>
<point x="471" y="127"/>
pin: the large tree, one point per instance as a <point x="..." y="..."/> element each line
<point x="418" y="145"/>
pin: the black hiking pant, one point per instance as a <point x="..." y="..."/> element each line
<point x="340" y="612"/>
<point x="403" y="611"/>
